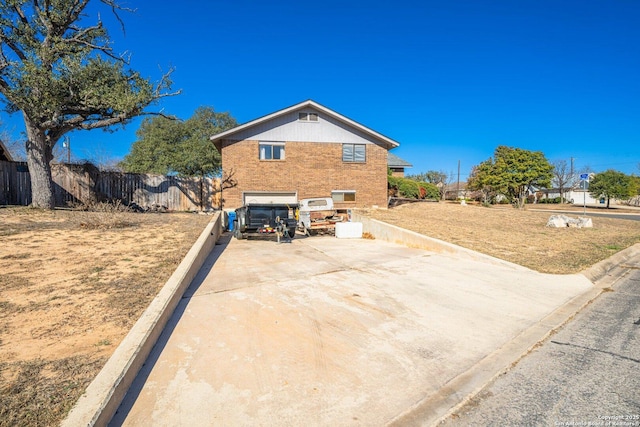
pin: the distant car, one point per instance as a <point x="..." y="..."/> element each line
<point x="264" y="219"/>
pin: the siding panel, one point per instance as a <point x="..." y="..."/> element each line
<point x="288" y="128"/>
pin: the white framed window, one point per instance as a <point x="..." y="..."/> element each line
<point x="340" y="196"/>
<point x="308" y="117"/>
<point x="271" y="150"/>
<point x="356" y="153"/>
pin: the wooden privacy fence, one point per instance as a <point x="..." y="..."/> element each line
<point x="86" y="184"/>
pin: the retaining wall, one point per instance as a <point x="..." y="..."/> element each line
<point x="102" y="398"/>
<point x="390" y="233"/>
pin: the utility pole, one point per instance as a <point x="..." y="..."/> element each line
<point x="458" y="187"/>
<point x="572" y="167"/>
<point x="572" y="177"/>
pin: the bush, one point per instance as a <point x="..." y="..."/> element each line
<point x="550" y="201"/>
<point x="411" y="189"/>
<point x="430" y="191"/>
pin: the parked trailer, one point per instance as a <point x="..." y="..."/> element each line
<point x="318" y="215"/>
<point x="265" y="219"/>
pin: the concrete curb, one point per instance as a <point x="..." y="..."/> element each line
<point x="608" y="270"/>
<point x="391" y="233"/>
<point x="103" y="396"/>
<point x="461" y="389"/>
<point x="603" y="274"/>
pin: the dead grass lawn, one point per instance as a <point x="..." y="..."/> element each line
<point x="71" y="286"/>
<point x="519" y="236"/>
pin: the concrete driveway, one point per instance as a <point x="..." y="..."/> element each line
<point x="327" y="331"/>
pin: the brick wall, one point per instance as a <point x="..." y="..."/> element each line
<point x="311" y="169"/>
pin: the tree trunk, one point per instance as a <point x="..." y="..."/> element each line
<point x="201" y="193"/>
<point x="39" y="156"/>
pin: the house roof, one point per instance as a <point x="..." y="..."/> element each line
<point x="4" y="152"/>
<point x="394" y="161"/>
<point x="388" y="142"/>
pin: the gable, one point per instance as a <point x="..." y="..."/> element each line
<point x="289" y="128"/>
<point x="284" y="125"/>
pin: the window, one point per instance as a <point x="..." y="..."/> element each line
<point x="339" y="196"/>
<point x="272" y="151"/>
<point x="354" y="153"/>
<point x="308" y="117"/>
<point x="317" y="203"/>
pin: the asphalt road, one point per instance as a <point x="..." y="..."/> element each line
<point x="591" y="213"/>
<point x="632" y="217"/>
<point x="586" y="374"/>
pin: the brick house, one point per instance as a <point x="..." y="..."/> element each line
<point x="4" y="153"/>
<point x="397" y="165"/>
<point x="307" y="150"/>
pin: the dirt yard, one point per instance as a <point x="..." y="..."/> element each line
<point x="71" y="286"/>
<point x="519" y="236"/>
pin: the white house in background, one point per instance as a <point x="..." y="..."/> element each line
<point x="578" y="195"/>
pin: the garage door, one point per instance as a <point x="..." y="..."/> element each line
<point x="270" y="197"/>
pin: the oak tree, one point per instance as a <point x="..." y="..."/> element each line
<point x="63" y="76"/>
<point x="165" y="146"/>
<point x="611" y="184"/>
<point x="511" y="172"/>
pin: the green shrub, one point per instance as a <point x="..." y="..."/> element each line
<point x="409" y="188"/>
<point x="430" y="191"/>
<point x="550" y="201"/>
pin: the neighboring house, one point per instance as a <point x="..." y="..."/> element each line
<point x="4" y="153"/>
<point x="576" y="195"/>
<point x="458" y="190"/>
<point x="307" y="150"/>
<point x="397" y="165"/>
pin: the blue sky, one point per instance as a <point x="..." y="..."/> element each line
<point x="449" y="80"/>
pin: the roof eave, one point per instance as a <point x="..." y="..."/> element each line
<point x="6" y="152"/>
<point x="216" y="139"/>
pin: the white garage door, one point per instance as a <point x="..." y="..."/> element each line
<point x="270" y="197"/>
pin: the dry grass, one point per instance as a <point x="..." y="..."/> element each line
<point x="519" y="236"/>
<point x="72" y="285"/>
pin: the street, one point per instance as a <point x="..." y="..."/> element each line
<point x="586" y="374"/>
<point x="632" y="216"/>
